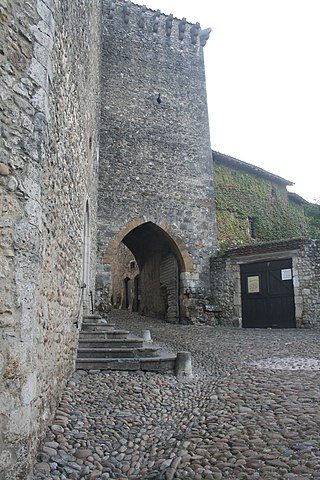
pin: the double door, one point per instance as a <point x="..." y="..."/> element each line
<point x="267" y="294"/>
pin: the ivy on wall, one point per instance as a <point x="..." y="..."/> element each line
<point x="312" y="212"/>
<point x="241" y="196"/>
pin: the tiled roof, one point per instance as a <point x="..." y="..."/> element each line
<point x="296" y="198"/>
<point x="273" y="246"/>
<point x="248" y="167"/>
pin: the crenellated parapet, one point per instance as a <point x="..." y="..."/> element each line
<point x="149" y="21"/>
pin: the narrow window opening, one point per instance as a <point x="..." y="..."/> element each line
<point x="159" y="99"/>
<point x="251" y="221"/>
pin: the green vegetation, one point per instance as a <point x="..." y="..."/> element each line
<point x="312" y="212"/>
<point x="241" y="196"/>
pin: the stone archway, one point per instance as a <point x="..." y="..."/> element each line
<point x="156" y="289"/>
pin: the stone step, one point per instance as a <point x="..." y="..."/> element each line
<point x="103" y="347"/>
<point x="91" y="317"/>
<point x="165" y="363"/>
<point x="95" y="319"/>
<point x="111" y="343"/>
<point x="97" y="327"/>
<point x="117" y="352"/>
<point x="92" y="335"/>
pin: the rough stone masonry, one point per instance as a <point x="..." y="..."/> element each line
<point x="49" y="103"/>
<point x="154" y="134"/>
<point x="155" y="158"/>
<point x="63" y="63"/>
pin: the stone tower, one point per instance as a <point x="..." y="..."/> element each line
<point x="155" y="190"/>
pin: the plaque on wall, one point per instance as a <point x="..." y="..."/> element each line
<point x="254" y="284"/>
<point x="286" y="274"/>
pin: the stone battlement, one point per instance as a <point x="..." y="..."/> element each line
<point x="151" y="21"/>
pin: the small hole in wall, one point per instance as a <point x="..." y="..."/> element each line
<point x="159" y="99"/>
<point x="90" y="142"/>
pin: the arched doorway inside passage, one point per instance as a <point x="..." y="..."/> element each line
<point x="148" y="262"/>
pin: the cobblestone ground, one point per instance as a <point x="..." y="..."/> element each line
<point x="251" y="411"/>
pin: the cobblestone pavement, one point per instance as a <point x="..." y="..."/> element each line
<point x="252" y="411"/>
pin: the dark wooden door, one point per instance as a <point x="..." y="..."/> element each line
<point x="169" y="281"/>
<point x="136" y="294"/>
<point x="267" y="295"/>
<point x="127" y="292"/>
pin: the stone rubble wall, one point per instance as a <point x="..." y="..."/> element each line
<point x="155" y="157"/>
<point x="307" y="283"/>
<point x="49" y="112"/>
<point x="225" y="279"/>
<point x="223" y="290"/>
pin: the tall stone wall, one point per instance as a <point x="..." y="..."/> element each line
<point x="155" y="157"/>
<point x="49" y="99"/>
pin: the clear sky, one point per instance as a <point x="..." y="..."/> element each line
<point x="263" y="82"/>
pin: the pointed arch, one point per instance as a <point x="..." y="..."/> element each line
<point x="161" y="258"/>
<point x="185" y="260"/>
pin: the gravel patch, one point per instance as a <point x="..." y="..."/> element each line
<point x="251" y="411"/>
<point x="291" y="363"/>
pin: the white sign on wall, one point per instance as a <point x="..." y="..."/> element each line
<point x="254" y="284"/>
<point x="286" y="274"/>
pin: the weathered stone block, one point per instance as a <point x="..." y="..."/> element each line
<point x="4" y="169"/>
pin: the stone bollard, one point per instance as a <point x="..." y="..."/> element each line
<point x="183" y="365"/>
<point x="146" y="335"/>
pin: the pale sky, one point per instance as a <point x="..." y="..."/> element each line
<point x="263" y="82"/>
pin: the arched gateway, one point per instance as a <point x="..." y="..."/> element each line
<point x="145" y="273"/>
<point x="147" y="268"/>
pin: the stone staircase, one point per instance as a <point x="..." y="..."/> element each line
<point x="103" y="347"/>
